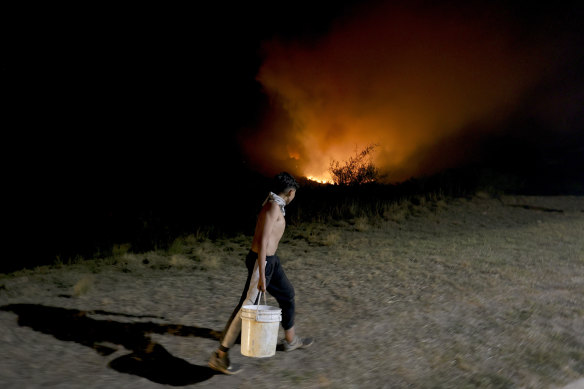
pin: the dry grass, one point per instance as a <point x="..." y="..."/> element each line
<point x="330" y="238"/>
<point x="180" y="261"/>
<point x="83" y="285"/>
<point x="120" y="250"/>
<point x="430" y="294"/>
<point x="361" y="223"/>
<point x="397" y="212"/>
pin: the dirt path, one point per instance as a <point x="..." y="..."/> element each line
<point x="483" y="293"/>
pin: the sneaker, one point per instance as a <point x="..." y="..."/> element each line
<point x="222" y="364"/>
<point x="297" y="343"/>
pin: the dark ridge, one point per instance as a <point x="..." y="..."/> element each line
<point x="69" y="228"/>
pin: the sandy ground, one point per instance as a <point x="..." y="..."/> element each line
<point x="459" y="294"/>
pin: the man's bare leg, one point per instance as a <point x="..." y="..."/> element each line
<point x="292" y="342"/>
<point x="289" y="334"/>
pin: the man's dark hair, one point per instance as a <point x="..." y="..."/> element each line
<point x="283" y="182"/>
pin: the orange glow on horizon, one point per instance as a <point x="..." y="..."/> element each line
<point x="321" y="179"/>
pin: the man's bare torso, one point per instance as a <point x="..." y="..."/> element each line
<point x="274" y="235"/>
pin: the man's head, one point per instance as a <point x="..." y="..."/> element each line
<point x="285" y="186"/>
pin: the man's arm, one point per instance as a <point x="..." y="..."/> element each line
<point x="266" y="224"/>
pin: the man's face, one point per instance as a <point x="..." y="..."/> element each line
<point x="291" y="195"/>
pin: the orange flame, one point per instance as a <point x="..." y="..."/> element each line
<point x="321" y="179"/>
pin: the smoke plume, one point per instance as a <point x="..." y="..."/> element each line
<point x="404" y="78"/>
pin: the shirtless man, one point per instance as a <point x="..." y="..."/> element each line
<point x="265" y="273"/>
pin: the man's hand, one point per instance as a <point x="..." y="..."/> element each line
<point x="262" y="284"/>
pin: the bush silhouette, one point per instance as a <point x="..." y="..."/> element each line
<point x="357" y="170"/>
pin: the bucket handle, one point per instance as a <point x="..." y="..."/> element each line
<point x="258" y="304"/>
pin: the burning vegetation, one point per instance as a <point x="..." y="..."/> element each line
<point x="358" y="169"/>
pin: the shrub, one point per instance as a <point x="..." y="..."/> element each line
<point x="357" y="170"/>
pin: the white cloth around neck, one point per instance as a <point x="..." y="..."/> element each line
<point x="280" y="201"/>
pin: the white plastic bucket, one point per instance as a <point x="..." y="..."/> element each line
<point x="259" y="330"/>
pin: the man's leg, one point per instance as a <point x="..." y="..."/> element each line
<point x="220" y="360"/>
<point x="249" y="296"/>
<point x="283" y="291"/>
<point x="289" y="335"/>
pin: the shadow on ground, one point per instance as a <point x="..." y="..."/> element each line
<point x="148" y="359"/>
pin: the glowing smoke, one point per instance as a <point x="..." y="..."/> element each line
<point x="402" y="78"/>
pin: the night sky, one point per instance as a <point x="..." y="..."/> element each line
<point x="117" y="108"/>
<point x="138" y="99"/>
